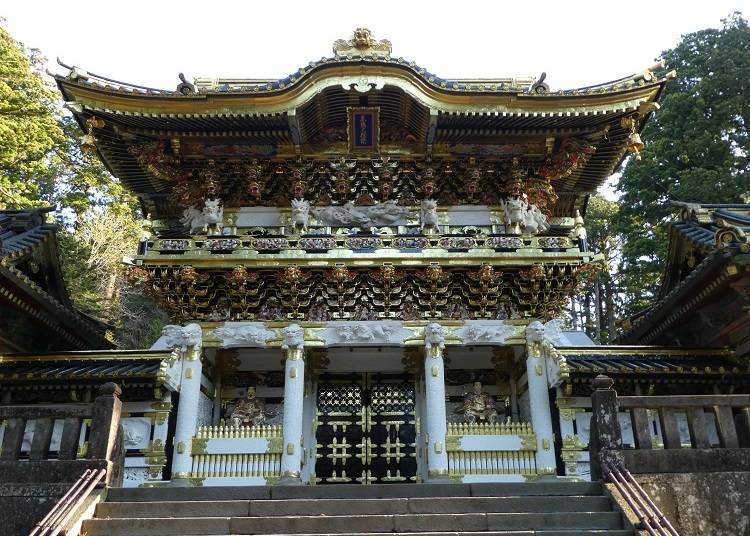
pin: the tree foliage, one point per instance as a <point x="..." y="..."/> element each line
<point x="30" y="128"/>
<point x="96" y="278"/>
<point x="600" y="304"/>
<point x="41" y="164"/>
<point x="697" y="150"/>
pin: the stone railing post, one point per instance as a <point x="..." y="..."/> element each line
<point x="294" y="392"/>
<point x="605" y="436"/>
<point x="105" y="422"/>
<point x="434" y="379"/>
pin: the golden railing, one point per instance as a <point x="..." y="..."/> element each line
<point x="243" y="451"/>
<point x="266" y="431"/>
<point x="507" y="448"/>
<point x="510" y="428"/>
<point x="491" y="462"/>
<point x="236" y="465"/>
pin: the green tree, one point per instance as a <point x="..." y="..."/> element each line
<point x="30" y="130"/>
<point x="41" y="164"/>
<point x="600" y="303"/>
<point x="95" y="274"/>
<point x="697" y="150"/>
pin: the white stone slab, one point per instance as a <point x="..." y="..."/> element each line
<point x="490" y="442"/>
<point x="469" y="215"/>
<point x="239" y="445"/>
<point x="475" y="479"/>
<point x="258" y="217"/>
<point x="234" y="481"/>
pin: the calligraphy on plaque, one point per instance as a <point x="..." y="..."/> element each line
<point x="364" y="129"/>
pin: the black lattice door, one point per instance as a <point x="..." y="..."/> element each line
<point x="366" y="430"/>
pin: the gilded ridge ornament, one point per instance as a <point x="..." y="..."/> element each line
<point x="362" y="44"/>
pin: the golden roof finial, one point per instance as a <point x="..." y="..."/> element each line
<point x="362" y="44"/>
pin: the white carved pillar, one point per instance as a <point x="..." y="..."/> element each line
<point x="188" y="339"/>
<point x="541" y="416"/>
<point x="294" y="392"/>
<point x="434" y="372"/>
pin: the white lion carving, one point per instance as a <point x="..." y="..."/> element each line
<point x="544" y="337"/>
<point x="199" y="220"/>
<point x="428" y="215"/>
<point x="535" y="221"/>
<point x="293" y="337"/>
<point x="300" y="214"/>
<point x="513" y="214"/>
<point x="434" y="336"/>
<point x="519" y="217"/>
<point x="182" y="337"/>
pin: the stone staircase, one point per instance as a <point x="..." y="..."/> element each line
<point x="543" y="508"/>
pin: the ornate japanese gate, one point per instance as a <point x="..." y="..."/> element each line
<point x="366" y="430"/>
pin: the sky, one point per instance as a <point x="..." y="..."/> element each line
<point x="577" y="43"/>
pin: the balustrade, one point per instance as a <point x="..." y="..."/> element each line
<point x="104" y="448"/>
<point x="491" y="452"/>
<point x="728" y="415"/>
<point x="248" y="454"/>
<point x="270" y="245"/>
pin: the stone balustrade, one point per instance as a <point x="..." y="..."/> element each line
<point x="728" y="416"/>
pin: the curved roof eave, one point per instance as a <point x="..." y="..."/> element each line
<point x="99" y="96"/>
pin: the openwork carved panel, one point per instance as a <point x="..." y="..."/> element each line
<point x="363" y="181"/>
<point x="342" y="293"/>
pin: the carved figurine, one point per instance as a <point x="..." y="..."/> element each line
<point x="534" y="221"/>
<point x="478" y="406"/>
<point x="363" y="311"/>
<point x="579" y="232"/>
<point x="293" y="337"/>
<point x="456" y="309"/>
<point x="409" y="309"/>
<point x="269" y="310"/>
<point x="300" y="214"/>
<point x="513" y="215"/>
<point x="434" y="338"/>
<point x="428" y="216"/>
<point x="319" y="311"/>
<point x="540" y="339"/>
<point x="212" y="215"/>
<point x="248" y="411"/>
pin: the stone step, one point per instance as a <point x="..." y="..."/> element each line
<point x="575" y="532"/>
<point x="352" y="491"/>
<point x="313" y="507"/>
<point x="400" y="523"/>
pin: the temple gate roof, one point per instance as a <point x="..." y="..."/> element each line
<point x="493" y="119"/>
